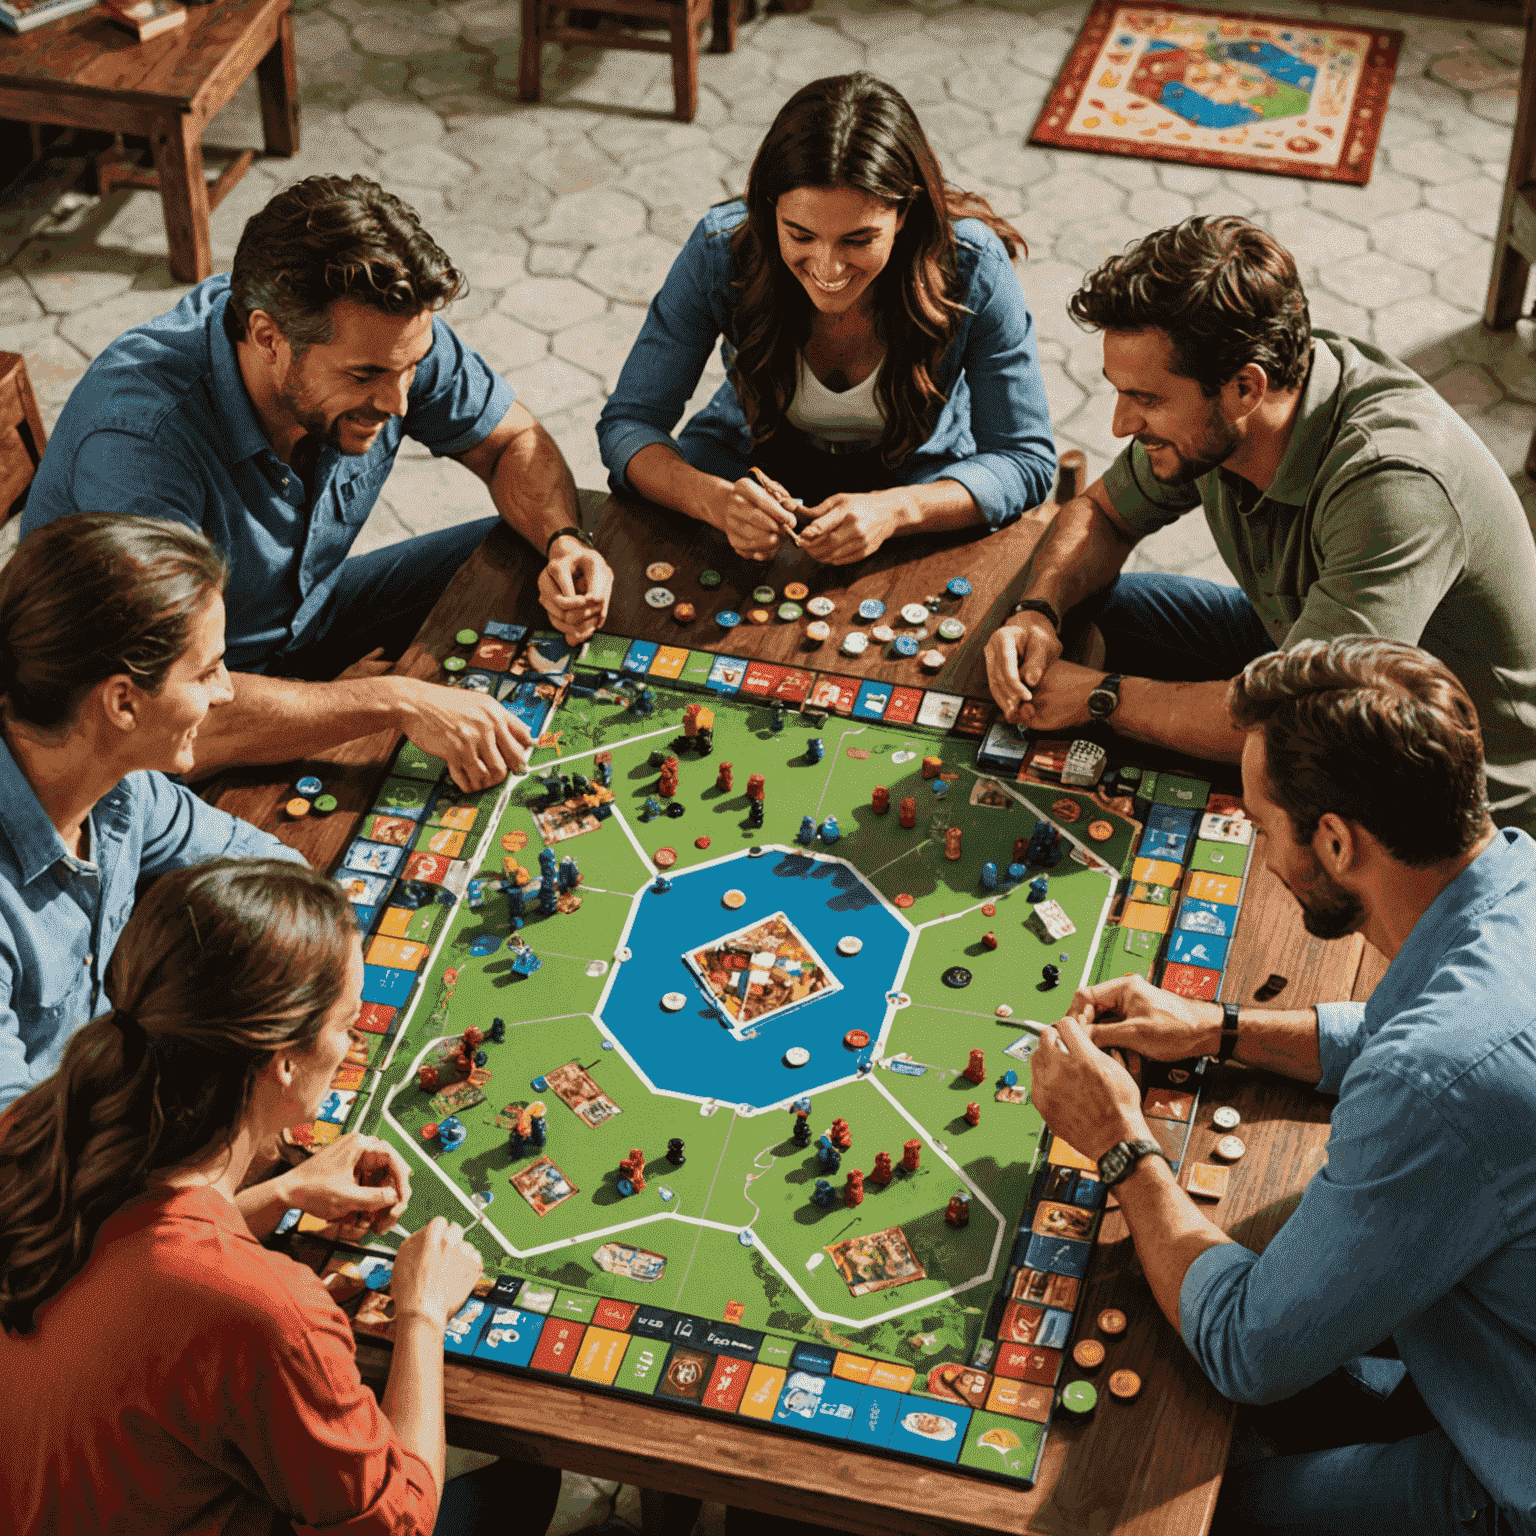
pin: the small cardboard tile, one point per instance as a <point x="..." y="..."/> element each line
<point x="1207" y="917"/>
<point x="558" y="1346"/>
<point x="1063" y="1255"/>
<point x="975" y="719"/>
<point x="794" y="686"/>
<point x="1220" y="858"/>
<point x="821" y="1404"/>
<point x="929" y="1428"/>
<point x="413" y="762"/>
<point x="1156" y="871"/>
<point x="403" y="797"/>
<point x="726" y="674"/>
<point x="637" y="660"/>
<point x="1168" y="1104"/>
<point x="1020" y="1399"/>
<point x="510" y="1337"/>
<point x="696" y="669"/>
<point x="600" y="1356"/>
<point x="614" y="1314"/>
<point x="606" y="652"/>
<point x="1208" y="1181"/>
<point x="761" y="678"/>
<point x="1183" y="793"/>
<point x="872" y="700"/>
<point x="875" y="1417"/>
<point x="1200" y="949"/>
<point x="399" y="831"/>
<point x="574" y="1304"/>
<point x="1006" y="1447"/>
<point x="1192" y="981"/>
<point x="686" y="1374"/>
<point x="466" y="1325"/>
<point x="1216" y="827"/>
<point x="764" y="1386"/>
<point x="1149" y="919"/>
<point x="727" y="1383"/>
<point x="641" y="1367"/>
<point x="387" y="984"/>
<point x="668" y="663"/>
<point x="816" y="1358"/>
<point x="419" y="923"/>
<point x="939" y="711"/>
<point x="1221" y="890"/>
<point x="400" y="953"/>
<point x="834" y="693"/>
<point x="448" y="841"/>
<point x="904" y="705"/>
<point x="365" y="858"/>
<point x="653" y="1322"/>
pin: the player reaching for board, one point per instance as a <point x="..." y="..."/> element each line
<point x="1362" y="764"/>
<point x="178" y="1375"/>
<point x="267" y="409"/>
<point x="881" y="360"/>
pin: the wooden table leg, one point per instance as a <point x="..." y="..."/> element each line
<point x="685" y="60"/>
<point x="176" y="141"/>
<point x="277" y="81"/>
<point x="722" y="32"/>
<point x="530" y="56"/>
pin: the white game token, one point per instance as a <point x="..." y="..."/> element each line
<point x="914" y="613"/>
<point x="950" y="629"/>
<point x="1226" y="1118"/>
<point x="659" y="597"/>
<point x="932" y="661"/>
<point x="883" y="633"/>
<point x="1230" y="1148"/>
<point x="820" y="606"/>
<point x="597" y="967"/>
<point x="1004" y="1010"/>
<point x="855" y="643"/>
<point x="796" y="1056"/>
<point x="818" y="630"/>
<point x="850" y="945"/>
<point x="623" y="954"/>
<point x="672" y="1001"/>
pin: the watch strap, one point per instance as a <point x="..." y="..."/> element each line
<point x="567" y="533"/>
<point x="1039" y="605"/>
<point x="1108" y="684"/>
<point x="1132" y="1152"/>
<point x="1228" y="1046"/>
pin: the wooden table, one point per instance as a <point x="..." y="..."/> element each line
<point x="1149" y="1467"/>
<point x="87" y="72"/>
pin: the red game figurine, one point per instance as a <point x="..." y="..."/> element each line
<point x="976" y="1068"/>
<point x="853" y="1193"/>
<point x="755" y="787"/>
<point x="1020" y="848"/>
<point x="633" y="1169"/>
<point x="908" y="812"/>
<point x="882" y="1174"/>
<point x="691" y="721"/>
<point x="725" y="777"/>
<point x="668" y="784"/>
<point x="952" y="843"/>
<point x="910" y="1151"/>
<point x="880" y="801"/>
<point x="427" y="1079"/>
<point x="989" y="939"/>
<point x="842" y="1137"/>
<point x="959" y="1211"/>
<point x="931" y="767"/>
<point x="973" y="1114"/>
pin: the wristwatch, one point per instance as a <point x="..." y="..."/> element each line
<point x="1121" y="1158"/>
<point x="1039" y="605"/>
<point x="1105" y="699"/>
<point x="1228" y="1048"/>
<point x="567" y="533"/>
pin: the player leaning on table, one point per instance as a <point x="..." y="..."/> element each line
<point x="1345" y="495"/>
<point x="881" y="360"/>
<point x="111" y="659"/>
<point x="266" y="409"/>
<point x="179" y="1377"/>
<point x="1361" y="762"/>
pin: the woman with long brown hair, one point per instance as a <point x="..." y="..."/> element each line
<point x="166" y="1372"/>
<point x="881" y="361"/>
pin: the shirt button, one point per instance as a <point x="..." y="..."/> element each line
<point x="88" y="960"/>
<point x="285" y="485"/>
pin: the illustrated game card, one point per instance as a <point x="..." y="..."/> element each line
<point x="573" y="1086"/>
<point x="1054" y="1220"/>
<point x="543" y="1186"/>
<point x="876" y="1261"/>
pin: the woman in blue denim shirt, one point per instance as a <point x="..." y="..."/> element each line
<point x="881" y="361"/>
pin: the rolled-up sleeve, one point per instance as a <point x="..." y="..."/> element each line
<point x="1340" y="1034"/>
<point x="15" y="1079"/>
<point x="456" y="399"/>
<point x="180" y="829"/>
<point x="1142" y="503"/>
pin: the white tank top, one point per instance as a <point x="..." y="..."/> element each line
<point x="835" y="416"/>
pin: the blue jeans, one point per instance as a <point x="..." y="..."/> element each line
<point x="380" y="599"/>
<point x="1178" y="629"/>
<point x="504" y="1496"/>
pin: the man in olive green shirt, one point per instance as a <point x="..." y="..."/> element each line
<point x="1343" y="493"/>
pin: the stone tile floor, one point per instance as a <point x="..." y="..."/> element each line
<point x="566" y="215"/>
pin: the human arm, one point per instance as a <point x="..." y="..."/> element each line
<point x="753" y="521"/>
<point x="354" y="1173"/>
<point x="179" y="829"/>
<point x="852" y="524"/>
<point x="15" y="1080"/>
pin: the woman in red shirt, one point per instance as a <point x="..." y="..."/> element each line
<point x="160" y="1371"/>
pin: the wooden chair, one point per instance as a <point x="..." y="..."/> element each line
<point x="549" y="21"/>
<point x="22" y="438"/>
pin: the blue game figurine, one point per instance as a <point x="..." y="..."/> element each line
<point x="1038" y="887"/>
<point x="626" y="1188"/>
<point x="547" y="863"/>
<point x="498" y="1031"/>
<point x="777" y="722"/>
<point x="652" y="808"/>
<point x="451" y="1133"/>
<point x="939" y="787"/>
<point x="1044" y="846"/>
<point x="814" y="750"/>
<point x="807" y="833"/>
<point x="1016" y="872"/>
<point x="661" y="885"/>
<point x="515" y="1143"/>
<point x="643" y="703"/>
<point x="515" y="899"/>
<point x="605" y="774"/>
<point x="822" y="1194"/>
<point x="549" y="897"/>
<point x="989" y="876"/>
<point x="829" y="831"/>
<point x="569" y="875"/>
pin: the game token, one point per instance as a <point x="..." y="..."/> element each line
<point x="796" y="1056"/>
<point x="658" y="570"/>
<point x="950" y="629"/>
<point x="701" y="842"/>
<point x="796" y="590"/>
<point x="659" y="597"/>
<point x="1065" y="809"/>
<point x="762" y="594"/>
<point x="758" y="615"/>
<point x="623" y="953"/>
<point x="756" y="851"/>
<point x="429" y="1130"/>
<point x="727" y="618"/>
<point x="850" y="944"/>
<point x="466" y="637"/>
<point x="989" y="909"/>
<point x="789" y="612"/>
<point x="903" y="900"/>
<point x="1231" y="1148"/>
<point x="325" y="804"/>
<point x="1088" y="1353"/>
<point x="1100" y="831"/>
<point x="871" y="608"/>
<point x="734" y="899"/>
<point x="710" y="579"/>
<point x="1124" y="1385"/>
<point x="1004" y="1010"/>
<point x="683" y="613"/>
<point x="454" y="664"/>
<point x="905" y="645"/>
<point x="958" y="586"/>
<point x="956" y="976"/>
<point x="664" y="858"/>
<point x="309" y="786"/>
<point x="932" y="661"/>
<point x="818" y="630"/>
<point x="856" y="1039"/>
<point x="820" y="606"/>
<point x="1226" y="1118"/>
<point x="1111" y="1320"/>
<point x="1208" y="1181"/>
<point x="1079" y="1398"/>
<point x="297" y="807"/>
<point x="672" y="1001"/>
<point x="914" y="613"/>
<point x="855" y="643"/>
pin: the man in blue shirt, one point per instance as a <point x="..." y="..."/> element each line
<point x="1362" y="765"/>
<point x="266" y="409"/>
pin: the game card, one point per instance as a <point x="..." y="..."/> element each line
<point x="759" y="971"/>
<point x="543" y="1186"/>
<point x="572" y="1085"/>
<point x="1055" y="1220"/>
<point x="876" y="1261"/>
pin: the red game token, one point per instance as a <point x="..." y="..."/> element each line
<point x="1088" y="1353"/>
<point x="989" y="909"/>
<point x="1111" y="1320"/>
<point x="1124" y="1385"/>
<point x="903" y="900"/>
<point x="701" y="842"/>
<point x="429" y="1132"/>
<point x="856" y="1039"/>
<point x="665" y="858"/>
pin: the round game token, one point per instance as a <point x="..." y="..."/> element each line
<point x="710" y="579"/>
<point x="932" y="661"/>
<point x="659" y="597"/>
<point x="856" y="1039"/>
<point x="1088" y="1353"/>
<point x="1111" y="1320"/>
<point x="1079" y="1398"/>
<point x="672" y="1001"/>
<point x="989" y="909"/>
<point x="762" y="594"/>
<point x="1230" y="1148"/>
<point x="297" y="807"/>
<point x="1226" y="1118"/>
<point x="1100" y="831"/>
<point x="855" y="643"/>
<point x="734" y="899"/>
<point x="727" y="618"/>
<point x="325" y="804"/>
<point x="905" y="645"/>
<point x="701" y="842"/>
<point x="850" y="944"/>
<point x="898" y="999"/>
<point x="914" y="613"/>
<point x="958" y="586"/>
<point x="903" y="900"/>
<point x="454" y="664"/>
<point x="796" y="1056"/>
<point x="950" y="629"/>
<point x="871" y="608"/>
<point x="466" y="637"/>
<point x="820" y="606"/>
<point x="683" y="613"/>
<point x="796" y="590"/>
<point x="1004" y="1010"/>
<point x="621" y="954"/>
<point x="1066" y="809"/>
<point x="956" y="976"/>
<point x="309" y="786"/>
<point x="597" y="967"/>
<point x="756" y="851"/>
<point x="1124" y="1385"/>
<point x="429" y="1131"/>
<point x="758" y="615"/>
<point x="658" y="570"/>
<point x="664" y="858"/>
<point x="817" y="630"/>
<point x="883" y="633"/>
<point x="789" y="612"/>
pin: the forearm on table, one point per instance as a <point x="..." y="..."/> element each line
<point x="533" y="489"/>
<point x="1192" y="716"/>
<point x="936" y="506"/>
<point x="1082" y="553"/>
<point x="1169" y="1232"/>
<point x="661" y="474"/>
<point x="413" y="1395"/>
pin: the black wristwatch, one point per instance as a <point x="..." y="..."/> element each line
<point x="567" y="533"/>
<point x="1228" y="1048"/>
<point x="1039" y="605"/>
<point x="1105" y="699"/>
<point x="1117" y="1163"/>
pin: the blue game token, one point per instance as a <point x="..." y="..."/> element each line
<point x="486" y="944"/>
<point x="871" y="608"/>
<point x="540" y="1085"/>
<point x="745" y="1237"/>
<point x="607" y="1046"/>
<point x="958" y="586"/>
<point x="309" y="787"/>
<point x="905" y="645"/>
<point x="727" y="619"/>
<point x="940" y="787"/>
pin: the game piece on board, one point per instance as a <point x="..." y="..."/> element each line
<point x="1124" y="1385"/>
<point x="822" y="1195"/>
<point x="828" y="1156"/>
<point x="684" y="613"/>
<point x="725" y="777"/>
<point x="973" y="1113"/>
<point x="829" y="830"/>
<point x="840" y="1136"/>
<point x="950" y="629"/>
<point x="1208" y="1181"/>
<point x="904" y="899"/>
<point x="957" y="586"/>
<point x="1230" y="1148"/>
<point x="1050" y="974"/>
<point x="727" y="618"/>
<point x="958" y="1212"/>
<point x="659" y="597"/>
<point x="1004" y="1010"/>
<point x="989" y="876"/>
<point x="802" y="1131"/>
<point x="755" y="787"/>
<point x="777" y="719"/>
<point x="796" y="1056"/>
<point x="702" y="841"/>
<point x="429" y="1131"/>
<point x="797" y="590"/>
<point x="710" y="579"/>
<point x="451" y="1133"/>
<point x="807" y="833"/>
<point x="908" y="812"/>
<point x="853" y="1190"/>
<point x="1088" y="1354"/>
<point x="1225" y="1118"/>
<point x="871" y="608"/>
<point x="498" y="1031"/>
<point x="815" y="749"/>
<point x="1010" y="1078"/>
<point x="664" y="858"/>
<point x="1038" y="887"/>
<point x="789" y="612"/>
<point x="658" y="570"/>
<point x="849" y="944"/>
<point x="643" y="703"/>
<point x="911" y="1152"/>
<point x="734" y="899"/>
<point x="755" y="813"/>
<point x="956" y="976"/>
<point x="989" y="940"/>
<point x="672" y="1001"/>
<point x="855" y="643"/>
<point x="952" y="837"/>
<point x="905" y="645"/>
<point x="1079" y="1398"/>
<point x="675" y="1154"/>
<point x="822" y="607"/>
<point x="976" y="1068"/>
<point x="882" y="1173"/>
<point x="880" y="800"/>
<point x="931" y="767"/>
<point x="882" y="633"/>
<point x="856" y="1039"/>
<point x="932" y="661"/>
<point x="914" y="613"/>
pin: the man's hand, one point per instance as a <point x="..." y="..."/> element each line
<point x="371" y="665"/>
<point x="1086" y="1097"/>
<point x="1018" y="655"/>
<point x="1061" y="696"/>
<point x="750" y="518"/>
<point x="1129" y="1013"/>
<point x="849" y="526"/>
<point x="354" y="1175"/>
<point x="574" y="588"/>
<point x="479" y="740"/>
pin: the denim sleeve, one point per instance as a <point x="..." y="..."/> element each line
<point x="1376" y="1239"/>
<point x="1015" y="459"/>
<point x="664" y="365"/>
<point x="180" y="829"/>
<point x="15" y="1080"/>
<point x="456" y="399"/>
<point x="1142" y="503"/>
<point x="121" y="472"/>
<point x="1340" y="1029"/>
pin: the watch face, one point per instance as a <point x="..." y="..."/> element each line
<point x="1112" y="1164"/>
<point x="1101" y="702"/>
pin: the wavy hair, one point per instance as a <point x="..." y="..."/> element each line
<point x="857" y="132"/>
<point x="221" y="966"/>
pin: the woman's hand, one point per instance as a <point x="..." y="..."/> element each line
<point x="750" y="517"/>
<point x="434" y="1272"/>
<point x="355" y="1175"/>
<point x="851" y="525"/>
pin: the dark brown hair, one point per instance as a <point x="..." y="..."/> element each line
<point x="853" y="131"/>
<point x="92" y="595"/>
<point x="1223" y="291"/>
<point x="335" y="237"/>
<point x="1380" y="733"/>
<point x="221" y="966"/>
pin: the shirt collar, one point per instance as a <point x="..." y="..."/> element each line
<point x="244" y="439"/>
<point x="161" y="1202"/>
<point x="33" y="838"/>
<point x="1303" y="455"/>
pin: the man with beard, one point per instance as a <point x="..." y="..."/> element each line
<point x="266" y="409"/>
<point x="1343" y="493"/>
<point x="1391" y="1322"/>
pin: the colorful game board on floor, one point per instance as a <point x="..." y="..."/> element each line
<point x="715" y="1029"/>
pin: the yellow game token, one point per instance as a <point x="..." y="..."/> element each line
<point x="1124" y="1385"/>
<point x="734" y="899"/>
<point x="665" y="858"/>
<point x="796" y="591"/>
<point x="1088" y="1354"/>
<point x="659" y="571"/>
<point x="298" y="806"/>
<point x="1065" y="809"/>
<point x="757" y="615"/>
<point x="1101" y="831"/>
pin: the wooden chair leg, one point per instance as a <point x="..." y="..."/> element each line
<point x="722" y="31"/>
<point x="1506" y="286"/>
<point x="685" y="61"/>
<point x="277" y="81"/>
<point x="530" y="59"/>
<point x="176" y="140"/>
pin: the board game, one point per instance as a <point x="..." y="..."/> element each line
<point x="714" y="1029"/>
